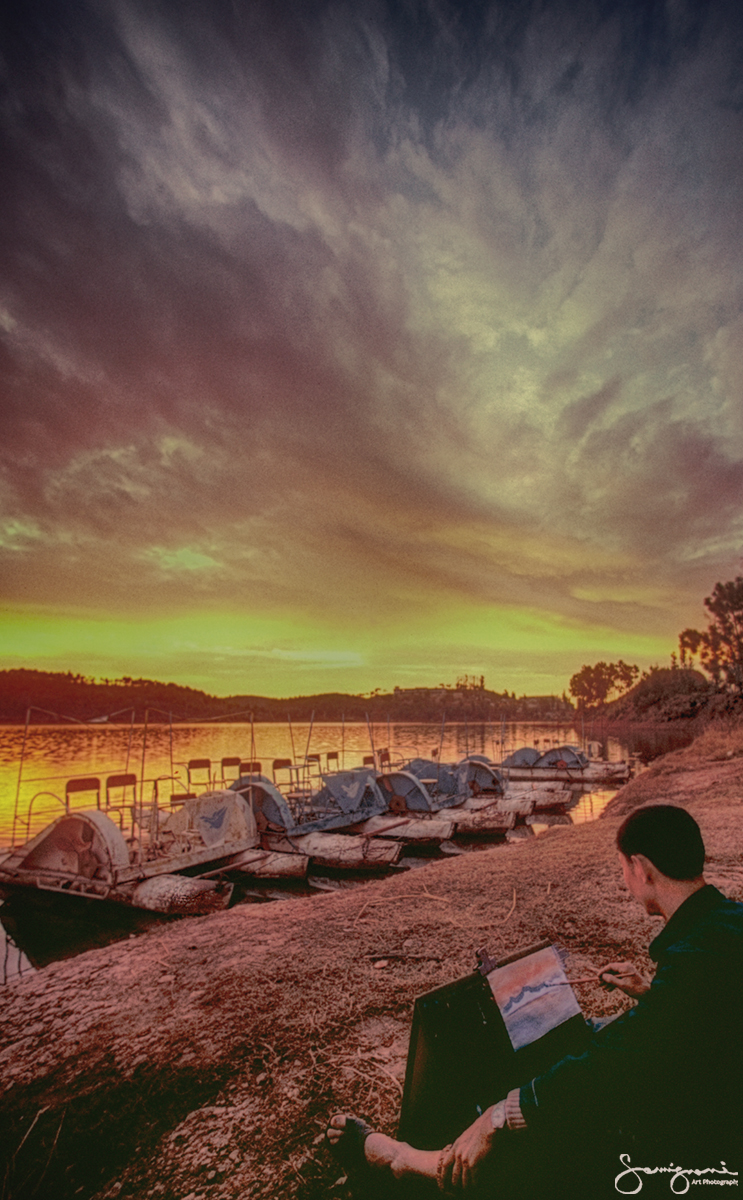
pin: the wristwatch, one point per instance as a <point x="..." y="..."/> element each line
<point x="498" y="1115"/>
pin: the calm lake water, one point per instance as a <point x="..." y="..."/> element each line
<point x="159" y="756"/>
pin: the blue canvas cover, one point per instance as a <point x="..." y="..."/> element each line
<point x="454" y="784"/>
<point x="412" y="790"/>
<point x="345" y="798"/>
<point x="272" y="804"/>
<point x="348" y="789"/>
<point x="445" y="775"/>
<point x="563" y="756"/>
<point x="525" y="757"/>
<point x="476" y="774"/>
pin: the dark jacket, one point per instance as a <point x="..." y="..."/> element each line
<point x="665" y="1080"/>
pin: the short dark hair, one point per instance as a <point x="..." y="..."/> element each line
<point x="668" y="836"/>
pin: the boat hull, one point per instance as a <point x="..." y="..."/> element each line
<point x="339" y="851"/>
<point x="487" y="823"/>
<point x="617" y="775"/>
<point x="417" y="830"/>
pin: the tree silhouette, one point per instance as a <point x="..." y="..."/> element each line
<point x="720" y="645"/>
<point x="592" y="686"/>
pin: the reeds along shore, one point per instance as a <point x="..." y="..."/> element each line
<point x="205" y="1057"/>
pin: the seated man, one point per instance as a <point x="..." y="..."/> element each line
<point x="662" y="1085"/>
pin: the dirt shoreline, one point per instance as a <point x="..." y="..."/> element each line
<point x="203" y="1059"/>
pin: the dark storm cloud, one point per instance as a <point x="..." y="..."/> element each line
<point x="444" y="295"/>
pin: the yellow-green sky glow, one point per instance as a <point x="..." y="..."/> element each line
<point x="518" y="648"/>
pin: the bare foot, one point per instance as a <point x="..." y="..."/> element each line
<point x="356" y="1145"/>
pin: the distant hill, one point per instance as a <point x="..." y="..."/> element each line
<point x="64" y="694"/>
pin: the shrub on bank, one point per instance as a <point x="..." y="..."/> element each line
<point x="673" y="693"/>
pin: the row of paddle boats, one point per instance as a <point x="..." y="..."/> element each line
<point x="186" y="858"/>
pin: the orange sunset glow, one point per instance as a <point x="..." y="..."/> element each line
<point x="366" y="345"/>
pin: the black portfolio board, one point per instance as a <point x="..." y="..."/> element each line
<point x="461" y="1058"/>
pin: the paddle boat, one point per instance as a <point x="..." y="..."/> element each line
<point x="565" y="764"/>
<point x="85" y="853"/>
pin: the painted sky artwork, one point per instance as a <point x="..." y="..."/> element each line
<point x="533" y="996"/>
<point x="353" y="345"/>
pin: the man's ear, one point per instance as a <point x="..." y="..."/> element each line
<point x="649" y="869"/>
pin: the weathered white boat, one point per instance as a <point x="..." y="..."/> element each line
<point x="321" y="824"/>
<point x="489" y="806"/>
<point x="469" y="793"/>
<point x="426" y="785"/>
<point x="257" y="864"/>
<point x="562" y="764"/>
<point x="346" y="852"/>
<point x="85" y="853"/>
<point x="491" y="822"/>
<point x="409" y="830"/>
<point x="177" y="863"/>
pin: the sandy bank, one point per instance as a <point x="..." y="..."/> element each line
<point x="204" y="1058"/>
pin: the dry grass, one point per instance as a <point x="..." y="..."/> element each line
<point x="721" y="740"/>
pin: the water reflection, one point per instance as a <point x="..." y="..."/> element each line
<point x="38" y="929"/>
<point x="15" y="964"/>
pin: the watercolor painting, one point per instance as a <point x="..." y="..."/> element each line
<point x="533" y="996"/>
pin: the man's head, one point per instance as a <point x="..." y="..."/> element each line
<point x="661" y="853"/>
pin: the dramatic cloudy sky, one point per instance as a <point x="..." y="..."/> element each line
<point x="356" y="344"/>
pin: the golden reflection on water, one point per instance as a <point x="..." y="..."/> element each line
<point x="55" y="753"/>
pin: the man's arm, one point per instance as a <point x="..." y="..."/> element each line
<point x="460" y="1164"/>
<point x="602" y="1084"/>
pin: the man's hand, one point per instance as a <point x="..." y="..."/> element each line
<point x="626" y="977"/>
<point x="460" y="1168"/>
